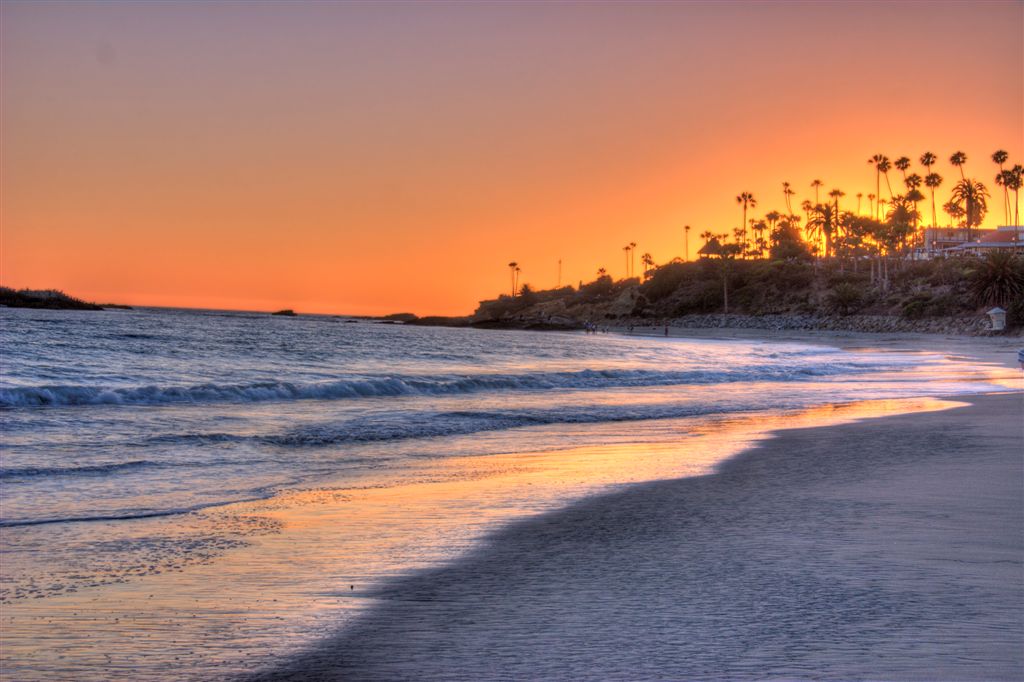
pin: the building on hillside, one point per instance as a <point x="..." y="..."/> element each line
<point x="935" y="241"/>
<point x="1003" y="238"/>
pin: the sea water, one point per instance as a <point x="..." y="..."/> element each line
<point x="147" y="455"/>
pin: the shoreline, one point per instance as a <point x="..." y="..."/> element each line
<point x="1001" y="350"/>
<point x="888" y="547"/>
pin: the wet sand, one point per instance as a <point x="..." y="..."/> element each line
<point x="885" y="549"/>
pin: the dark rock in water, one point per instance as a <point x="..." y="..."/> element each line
<point x="399" y="317"/>
<point x="440" y="321"/>
<point x="287" y="312"/>
<point x="47" y="298"/>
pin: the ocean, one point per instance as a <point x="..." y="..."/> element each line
<point x="205" y="491"/>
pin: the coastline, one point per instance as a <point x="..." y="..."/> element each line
<point x="996" y="349"/>
<point x="886" y="548"/>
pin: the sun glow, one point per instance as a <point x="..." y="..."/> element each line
<point x="201" y="155"/>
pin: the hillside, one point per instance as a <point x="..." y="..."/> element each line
<point x="931" y="295"/>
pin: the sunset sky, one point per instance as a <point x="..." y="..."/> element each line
<point x="376" y="158"/>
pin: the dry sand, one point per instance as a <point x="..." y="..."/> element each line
<point x="885" y="549"/>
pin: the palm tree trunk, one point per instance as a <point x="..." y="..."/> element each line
<point x="878" y="190"/>
<point x="744" y="245"/>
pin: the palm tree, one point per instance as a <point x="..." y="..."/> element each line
<point x="787" y="192"/>
<point x="836" y="194"/>
<point x="959" y="159"/>
<point x="999" y="157"/>
<point x="806" y="205"/>
<point x="859" y="197"/>
<point x="902" y="163"/>
<point x="686" y="242"/>
<point x="884" y="166"/>
<point x="626" y="249"/>
<point x="513" y="267"/>
<point x="932" y="182"/>
<point x="871" y="204"/>
<point x="1002" y="177"/>
<point x="877" y="161"/>
<point x="707" y="236"/>
<point x="955" y="211"/>
<point x="515" y="280"/>
<point x="822" y="224"/>
<point x="632" y="263"/>
<point x="971" y="195"/>
<point x="901" y="218"/>
<point x="928" y="160"/>
<point x="913" y="183"/>
<point x="601" y="272"/>
<point x="746" y="199"/>
<point x="816" y="184"/>
<point x="648" y="262"/>
<point x="1014" y="182"/>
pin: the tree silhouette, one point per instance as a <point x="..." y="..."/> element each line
<point x="885" y="166"/>
<point x="632" y="263"/>
<point x="836" y="195"/>
<point x="816" y="184"/>
<point x="955" y="211"/>
<point x="1014" y="181"/>
<point x="823" y="225"/>
<point x="928" y="160"/>
<point x="971" y="195"/>
<point x="686" y="242"/>
<point x="745" y="199"/>
<point x="902" y="163"/>
<point x="626" y="250"/>
<point x="958" y="159"/>
<point x="913" y="183"/>
<point x="707" y="236"/>
<point x="932" y="182"/>
<point x="648" y="262"/>
<point x="878" y="161"/>
<point x="999" y="157"/>
<point x="859" y="197"/>
<point x="901" y="218"/>
<point x="513" y="267"/>
<point x="871" y="204"/>
<point x="787" y="192"/>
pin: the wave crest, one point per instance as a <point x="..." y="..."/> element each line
<point x="388" y="386"/>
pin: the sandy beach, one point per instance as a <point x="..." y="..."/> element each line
<point x="884" y="549"/>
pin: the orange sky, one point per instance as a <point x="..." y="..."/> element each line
<point x="374" y="158"/>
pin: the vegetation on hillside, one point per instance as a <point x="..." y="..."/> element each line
<point x="836" y="258"/>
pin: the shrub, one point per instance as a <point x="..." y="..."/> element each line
<point x="998" y="279"/>
<point x="844" y="298"/>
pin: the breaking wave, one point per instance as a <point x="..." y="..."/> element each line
<point x="409" y="385"/>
